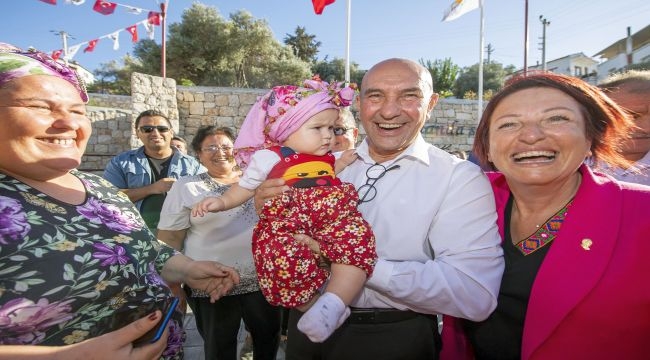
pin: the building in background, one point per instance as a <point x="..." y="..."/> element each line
<point x="631" y="50"/>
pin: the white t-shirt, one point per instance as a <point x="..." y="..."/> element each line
<point x="225" y="236"/>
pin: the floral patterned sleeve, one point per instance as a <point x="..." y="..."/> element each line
<point x="67" y="270"/>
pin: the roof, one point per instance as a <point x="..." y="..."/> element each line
<point x="639" y="39"/>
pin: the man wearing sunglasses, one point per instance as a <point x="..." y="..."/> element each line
<point x="147" y="173"/>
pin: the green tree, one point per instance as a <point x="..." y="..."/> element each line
<point x="494" y="75"/>
<point x="444" y="74"/>
<point x="334" y="70"/>
<point x="304" y="45"/>
<point x="113" y="78"/>
<point x="207" y="49"/>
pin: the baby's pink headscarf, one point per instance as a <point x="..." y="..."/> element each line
<point x="281" y="111"/>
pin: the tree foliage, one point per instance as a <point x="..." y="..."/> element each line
<point x="494" y="75"/>
<point x="304" y="45"/>
<point x="444" y="74"/>
<point x="207" y="49"/>
<point x="334" y="70"/>
<point x="112" y="78"/>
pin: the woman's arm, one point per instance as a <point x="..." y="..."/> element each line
<point x="173" y="238"/>
<point x="210" y="276"/>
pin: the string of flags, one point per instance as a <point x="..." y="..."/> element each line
<point x="104" y="7"/>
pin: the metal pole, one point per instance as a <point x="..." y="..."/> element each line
<point x="480" y="67"/>
<point x="163" y="53"/>
<point x="347" y="45"/>
<point x="545" y="23"/>
<point x="526" y="37"/>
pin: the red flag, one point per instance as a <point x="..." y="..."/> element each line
<point x="91" y="45"/>
<point x="154" y="18"/>
<point x="319" y="5"/>
<point x="56" y="54"/>
<point x="104" y="7"/>
<point x="133" y="30"/>
<point x="52" y="2"/>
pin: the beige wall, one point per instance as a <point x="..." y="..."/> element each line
<point x="450" y="127"/>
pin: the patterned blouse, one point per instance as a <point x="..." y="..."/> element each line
<point x="66" y="270"/>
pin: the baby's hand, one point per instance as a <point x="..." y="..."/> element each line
<point x="210" y="204"/>
<point x="347" y="157"/>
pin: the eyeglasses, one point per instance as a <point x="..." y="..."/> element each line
<point x="368" y="191"/>
<point x="148" y="128"/>
<point x="338" y="131"/>
<point x="214" y="148"/>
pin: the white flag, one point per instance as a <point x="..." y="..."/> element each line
<point x="133" y="10"/>
<point x="75" y="2"/>
<point x="459" y="8"/>
<point x="116" y="39"/>
<point x="149" y="28"/>
<point x="72" y="51"/>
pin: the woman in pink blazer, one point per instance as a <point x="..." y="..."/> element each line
<point x="576" y="283"/>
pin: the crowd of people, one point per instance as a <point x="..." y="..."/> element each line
<point x="537" y="252"/>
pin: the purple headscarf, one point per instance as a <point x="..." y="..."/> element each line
<point x="16" y="63"/>
<point x="281" y="111"/>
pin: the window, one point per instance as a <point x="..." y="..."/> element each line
<point x="577" y="71"/>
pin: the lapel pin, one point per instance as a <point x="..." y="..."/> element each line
<point x="586" y="244"/>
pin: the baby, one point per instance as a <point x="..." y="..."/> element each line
<point x="288" y="134"/>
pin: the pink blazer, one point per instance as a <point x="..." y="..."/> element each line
<point x="591" y="296"/>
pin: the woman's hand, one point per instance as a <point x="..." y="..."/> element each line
<point x="114" y="345"/>
<point x="210" y="276"/>
<point x="267" y="190"/>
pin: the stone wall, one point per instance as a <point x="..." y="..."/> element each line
<point x="451" y="126"/>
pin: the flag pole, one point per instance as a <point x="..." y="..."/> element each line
<point x="347" y="44"/>
<point x="525" y="37"/>
<point x="163" y="52"/>
<point x="480" y="66"/>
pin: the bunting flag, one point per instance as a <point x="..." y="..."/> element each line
<point x="116" y="39"/>
<point x="133" y="10"/>
<point x="150" y="29"/>
<point x="51" y="2"/>
<point x="319" y="5"/>
<point x="133" y="30"/>
<point x="56" y="54"/>
<point x="75" y="2"/>
<point x="104" y="7"/>
<point x="72" y="51"/>
<point x="91" y="45"/>
<point x="460" y="8"/>
<point x="154" y="18"/>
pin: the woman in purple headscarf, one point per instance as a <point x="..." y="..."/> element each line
<point x="288" y="134"/>
<point x="80" y="273"/>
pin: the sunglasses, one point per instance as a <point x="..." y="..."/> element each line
<point x="338" y="131"/>
<point x="148" y="128"/>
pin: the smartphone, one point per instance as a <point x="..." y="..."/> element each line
<point x="155" y="334"/>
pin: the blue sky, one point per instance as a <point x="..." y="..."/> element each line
<point x="380" y="28"/>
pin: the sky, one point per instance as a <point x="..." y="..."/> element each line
<point x="380" y="29"/>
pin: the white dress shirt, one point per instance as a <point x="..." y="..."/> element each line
<point x="434" y="220"/>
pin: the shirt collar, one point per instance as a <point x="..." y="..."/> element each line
<point x="418" y="151"/>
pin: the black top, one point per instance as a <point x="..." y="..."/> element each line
<point x="499" y="336"/>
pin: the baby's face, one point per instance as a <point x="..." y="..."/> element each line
<point x="316" y="135"/>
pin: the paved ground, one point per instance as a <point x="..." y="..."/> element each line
<point x="194" y="343"/>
